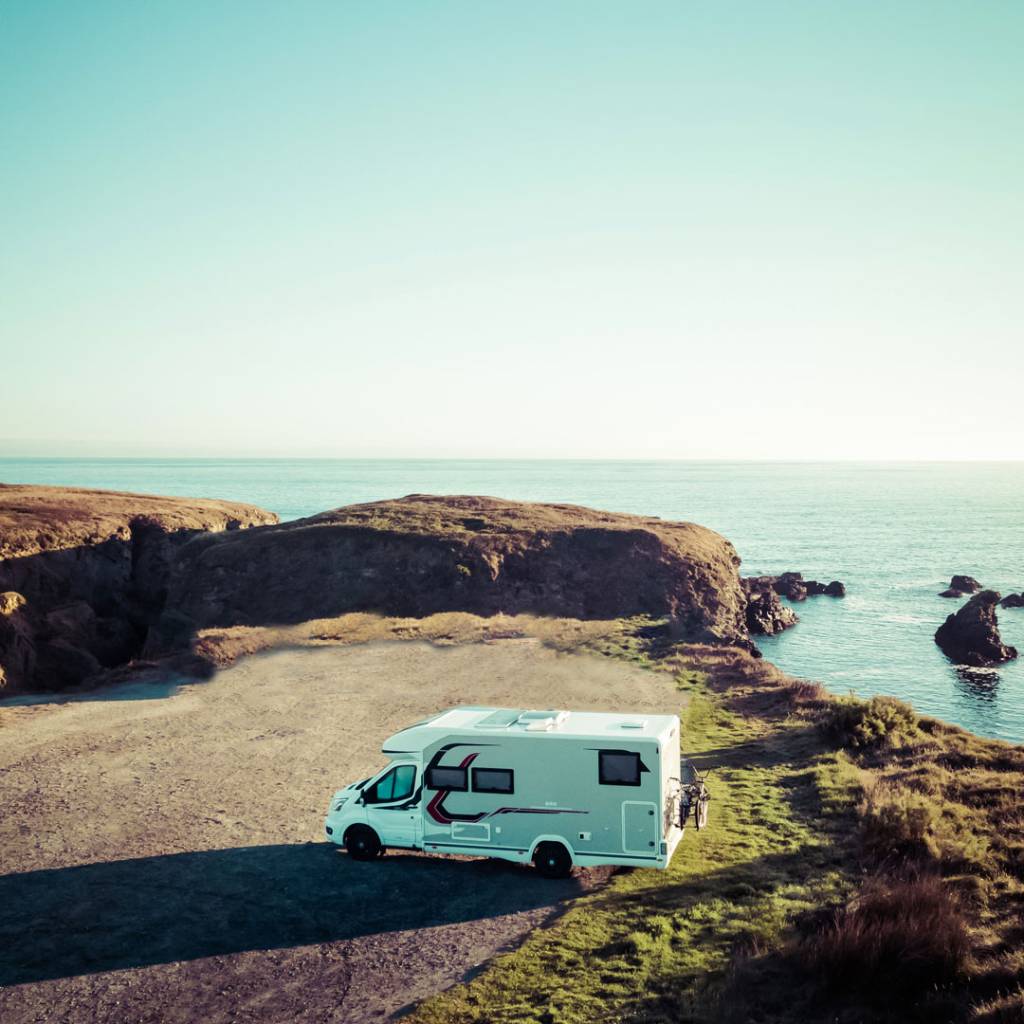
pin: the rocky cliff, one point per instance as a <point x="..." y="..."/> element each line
<point x="423" y="554"/>
<point x="90" y="580"/>
<point x="84" y="574"/>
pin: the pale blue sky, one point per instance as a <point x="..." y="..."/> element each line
<point x="744" y="229"/>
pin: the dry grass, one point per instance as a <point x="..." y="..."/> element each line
<point x="898" y="938"/>
<point x="221" y="647"/>
<point x="939" y="838"/>
<point x="901" y="823"/>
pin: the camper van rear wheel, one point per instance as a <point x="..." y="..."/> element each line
<point x="363" y="843"/>
<point x="552" y="860"/>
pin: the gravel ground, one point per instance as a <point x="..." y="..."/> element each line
<point x="161" y="848"/>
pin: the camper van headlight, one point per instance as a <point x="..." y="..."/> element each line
<point x="341" y="803"/>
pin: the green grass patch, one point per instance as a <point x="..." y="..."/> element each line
<point x="657" y="945"/>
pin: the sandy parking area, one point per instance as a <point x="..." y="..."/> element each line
<point x="162" y="856"/>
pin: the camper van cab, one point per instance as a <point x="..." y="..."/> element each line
<point x="556" y="788"/>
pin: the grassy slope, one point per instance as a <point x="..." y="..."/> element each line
<point x="860" y="865"/>
<point x="658" y="945"/>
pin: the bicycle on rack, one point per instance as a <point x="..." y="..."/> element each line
<point x="694" y="796"/>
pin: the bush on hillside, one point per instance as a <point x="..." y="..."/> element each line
<point x="899" y="937"/>
<point x="881" y="721"/>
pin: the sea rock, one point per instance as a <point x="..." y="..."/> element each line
<point x="1012" y="601"/>
<point x="423" y="554"/>
<point x="794" y="587"/>
<point x="959" y="586"/>
<point x="970" y="636"/>
<point x="966" y="584"/>
<point x="766" y="614"/>
<point x="84" y="575"/>
<point x="791" y="585"/>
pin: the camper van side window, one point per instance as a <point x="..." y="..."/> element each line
<point x="448" y="778"/>
<point x="493" y="780"/>
<point x="618" y="768"/>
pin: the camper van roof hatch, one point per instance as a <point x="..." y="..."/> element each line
<point x="542" y="721"/>
<point x="637" y="724"/>
<point x="500" y="719"/>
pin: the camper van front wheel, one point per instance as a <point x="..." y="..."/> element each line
<point x="552" y="860"/>
<point x="363" y="843"/>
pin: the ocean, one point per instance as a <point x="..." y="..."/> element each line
<point x="894" y="533"/>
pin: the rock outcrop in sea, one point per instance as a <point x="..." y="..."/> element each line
<point x="766" y="614"/>
<point x="1013" y="601"/>
<point x="84" y="574"/>
<point x="970" y="636"/>
<point x="961" y="586"/>
<point x="794" y="587"/>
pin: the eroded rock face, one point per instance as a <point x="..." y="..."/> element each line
<point x="766" y="614"/>
<point x="17" y="652"/>
<point x="83" y="575"/>
<point x="423" y="554"/>
<point x="971" y="635"/>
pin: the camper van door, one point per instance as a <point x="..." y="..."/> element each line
<point x="393" y="806"/>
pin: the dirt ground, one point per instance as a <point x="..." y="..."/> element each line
<point x="162" y="857"/>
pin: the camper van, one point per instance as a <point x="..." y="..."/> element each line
<point x="555" y="788"/>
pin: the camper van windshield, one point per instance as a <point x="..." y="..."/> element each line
<point x="397" y="784"/>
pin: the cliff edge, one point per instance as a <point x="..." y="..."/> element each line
<point x="423" y="554"/>
<point x="91" y="580"/>
<point x="84" y="574"/>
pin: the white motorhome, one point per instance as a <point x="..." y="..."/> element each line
<point x="558" y="788"/>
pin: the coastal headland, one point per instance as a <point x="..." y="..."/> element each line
<point x="162" y="809"/>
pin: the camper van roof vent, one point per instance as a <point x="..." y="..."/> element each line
<point x="500" y="719"/>
<point x="542" y="721"/>
<point x="640" y="723"/>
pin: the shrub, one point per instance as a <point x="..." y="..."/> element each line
<point x="899" y="937"/>
<point x="803" y="691"/>
<point x="874" y="723"/>
<point x="897" y="822"/>
<point x="901" y="823"/>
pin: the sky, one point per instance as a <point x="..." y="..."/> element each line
<point x="534" y="229"/>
